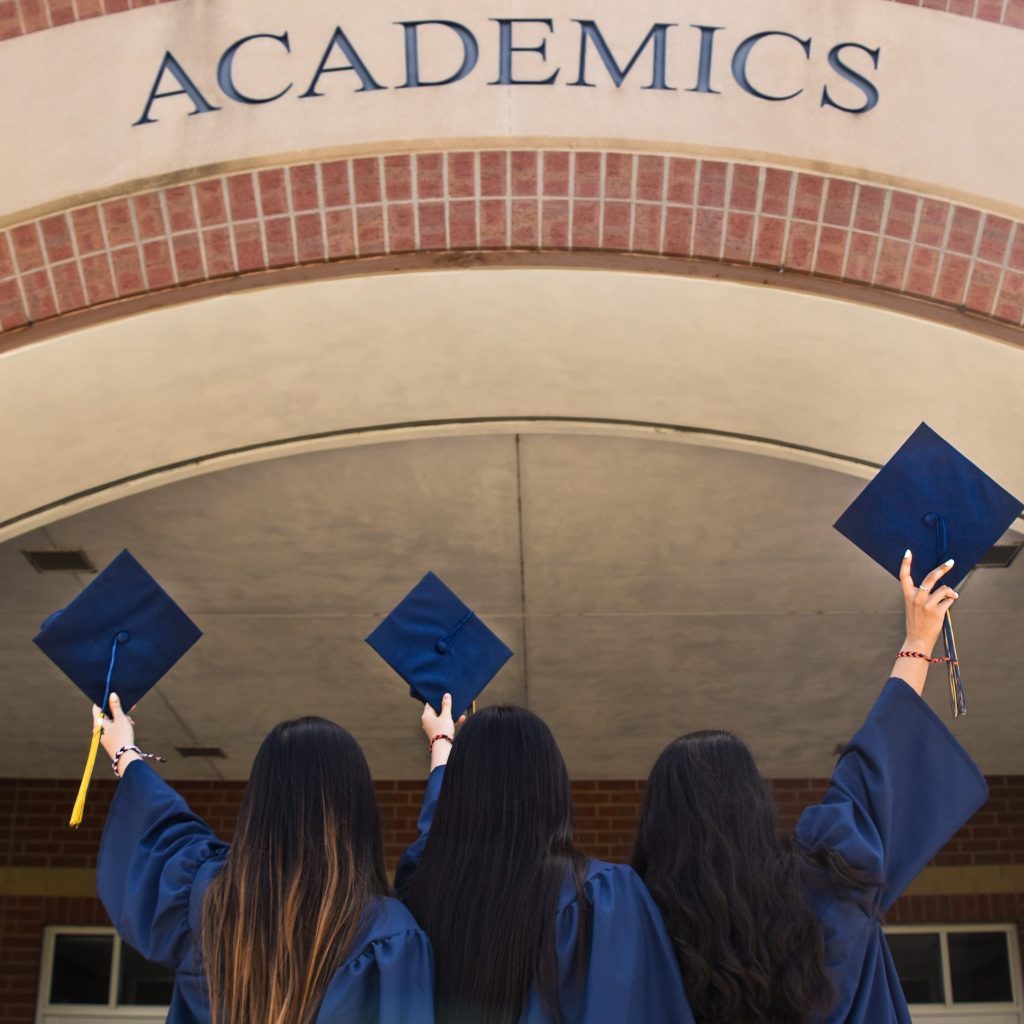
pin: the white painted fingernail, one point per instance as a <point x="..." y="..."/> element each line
<point x="948" y="564"/>
<point x="906" y="554"/>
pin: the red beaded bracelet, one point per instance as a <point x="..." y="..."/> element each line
<point x="931" y="661"/>
<point x="121" y="751"/>
<point x="440" y="736"/>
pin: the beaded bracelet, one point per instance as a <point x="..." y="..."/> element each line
<point x="931" y="661"/>
<point x="131" y="746"/>
<point x="440" y="736"/>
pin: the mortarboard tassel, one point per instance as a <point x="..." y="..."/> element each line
<point x="957" y="701"/>
<point x="78" y="811"/>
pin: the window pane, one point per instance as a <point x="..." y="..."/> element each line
<point x="81" y="969"/>
<point x="980" y="965"/>
<point x="919" y="965"/>
<point x="143" y="983"/>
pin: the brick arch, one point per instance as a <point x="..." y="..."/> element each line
<point x="880" y="243"/>
<point x="21" y="17"/>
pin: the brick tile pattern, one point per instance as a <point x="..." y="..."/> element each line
<point x="720" y="212"/>
<point x="33" y="816"/>
<point x="20" y="17"/>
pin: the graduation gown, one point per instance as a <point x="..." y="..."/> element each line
<point x="900" y="791"/>
<point x="156" y="860"/>
<point x="631" y="973"/>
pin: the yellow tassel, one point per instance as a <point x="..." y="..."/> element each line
<point x="79" y="808"/>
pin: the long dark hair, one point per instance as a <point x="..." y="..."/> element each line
<point x="306" y="864"/>
<point x="734" y="894"/>
<point x="499" y="852"/>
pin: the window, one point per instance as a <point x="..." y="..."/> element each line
<point x="89" y="974"/>
<point x="967" y="972"/>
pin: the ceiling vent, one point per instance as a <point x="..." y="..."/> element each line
<point x="1000" y="556"/>
<point x="201" y="751"/>
<point x="59" y="561"/>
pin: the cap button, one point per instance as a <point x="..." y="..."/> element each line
<point x="929" y="518"/>
<point x="122" y="637"/>
<point x="441" y="647"/>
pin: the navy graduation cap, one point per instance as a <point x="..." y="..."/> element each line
<point x="438" y="645"/>
<point x="123" y="632"/>
<point x="933" y="500"/>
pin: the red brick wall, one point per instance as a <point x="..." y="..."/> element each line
<point x="19" y="17"/>
<point x="34" y="833"/>
<point x="874" y="240"/>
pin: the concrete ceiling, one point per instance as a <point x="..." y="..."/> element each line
<point x="647" y="586"/>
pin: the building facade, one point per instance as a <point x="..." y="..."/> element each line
<point x="604" y="315"/>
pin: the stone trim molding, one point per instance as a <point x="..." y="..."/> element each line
<point x="21" y="881"/>
<point x="21" y="17"/>
<point x="591" y="204"/>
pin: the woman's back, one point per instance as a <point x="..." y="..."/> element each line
<point x="292" y="923"/>
<point x="524" y="928"/>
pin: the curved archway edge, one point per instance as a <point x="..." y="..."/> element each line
<point x="396" y="432"/>
<point x="717" y="218"/>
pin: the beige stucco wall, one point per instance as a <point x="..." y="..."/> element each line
<point x="180" y="383"/>
<point x="946" y="122"/>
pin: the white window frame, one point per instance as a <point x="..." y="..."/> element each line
<point x="959" y="1010"/>
<point x="93" y="1011"/>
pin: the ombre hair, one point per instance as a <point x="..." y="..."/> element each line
<point x="734" y="894"/>
<point x="487" y="889"/>
<point x="305" y="866"/>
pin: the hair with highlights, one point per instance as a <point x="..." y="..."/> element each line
<point x="306" y="863"/>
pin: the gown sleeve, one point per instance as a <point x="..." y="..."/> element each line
<point x="631" y="973"/>
<point x="411" y="857"/>
<point x="151" y="850"/>
<point x="902" y="788"/>
<point x="390" y="982"/>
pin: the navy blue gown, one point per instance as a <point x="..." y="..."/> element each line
<point x="902" y="788"/>
<point x="156" y="860"/>
<point x="631" y="971"/>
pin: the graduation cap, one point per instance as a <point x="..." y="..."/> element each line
<point x="933" y="500"/>
<point x="123" y="632"/>
<point x="438" y="645"/>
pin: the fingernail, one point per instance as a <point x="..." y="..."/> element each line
<point x="906" y="554"/>
<point x="948" y="564"/>
<point x="955" y="594"/>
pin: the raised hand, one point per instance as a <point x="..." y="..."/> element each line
<point x="118" y="731"/>
<point x="925" y="608"/>
<point x="439" y="730"/>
